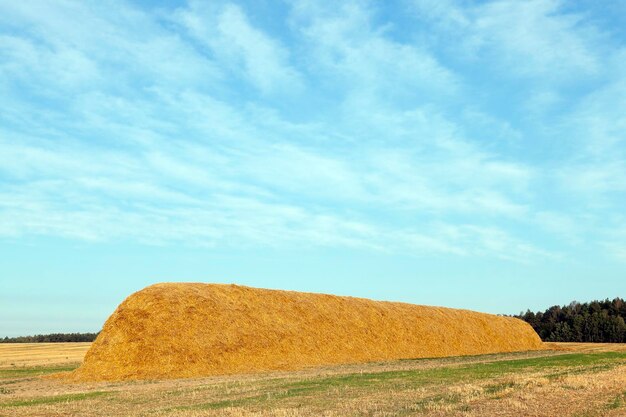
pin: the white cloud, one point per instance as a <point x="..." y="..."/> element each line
<point x="63" y="67"/>
<point x="114" y="48"/>
<point x="530" y="39"/>
<point x="596" y="165"/>
<point x="234" y="41"/>
<point x="159" y="142"/>
<point x="351" y="51"/>
<point x="534" y="40"/>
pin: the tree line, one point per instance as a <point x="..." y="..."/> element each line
<point x="52" y="338"/>
<point x="596" y="321"/>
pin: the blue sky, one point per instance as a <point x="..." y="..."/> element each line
<point x="466" y="154"/>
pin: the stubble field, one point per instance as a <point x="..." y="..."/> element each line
<point x="578" y="380"/>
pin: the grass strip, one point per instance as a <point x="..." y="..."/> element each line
<point x="55" y="399"/>
<point x="34" y="371"/>
<point x="422" y="377"/>
<point x="618" y="402"/>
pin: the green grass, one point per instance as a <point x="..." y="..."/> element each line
<point x="618" y="402"/>
<point x="472" y="371"/>
<point x="563" y="365"/>
<point x="33" y="371"/>
<point x="54" y="399"/>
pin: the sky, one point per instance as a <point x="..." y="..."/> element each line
<point x="469" y="154"/>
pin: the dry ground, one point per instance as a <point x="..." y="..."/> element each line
<point x="577" y="380"/>
<point x="41" y="354"/>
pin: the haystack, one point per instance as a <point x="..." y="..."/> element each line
<point x="191" y="330"/>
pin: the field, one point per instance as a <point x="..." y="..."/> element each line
<point x="578" y="380"/>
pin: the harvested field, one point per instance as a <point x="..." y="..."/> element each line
<point x="586" y="347"/>
<point x="192" y="330"/>
<point x="41" y="354"/>
<point x="574" y="381"/>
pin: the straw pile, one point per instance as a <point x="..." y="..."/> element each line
<point x="190" y="330"/>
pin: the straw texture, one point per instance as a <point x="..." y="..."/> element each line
<point x="176" y="330"/>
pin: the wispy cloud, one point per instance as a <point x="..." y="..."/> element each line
<point x="236" y="44"/>
<point x="334" y="128"/>
<point x="537" y="38"/>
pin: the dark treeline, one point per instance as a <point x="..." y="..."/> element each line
<point x="597" y="321"/>
<point x="52" y="338"/>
